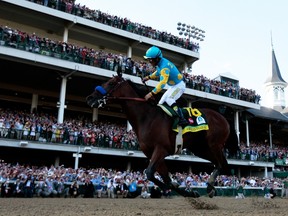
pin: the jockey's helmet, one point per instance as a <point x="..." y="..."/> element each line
<point x="153" y="52"/>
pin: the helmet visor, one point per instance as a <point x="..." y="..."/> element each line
<point x="146" y="57"/>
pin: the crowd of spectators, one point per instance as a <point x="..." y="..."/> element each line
<point x="20" y="180"/>
<point x="71" y="52"/>
<point x="43" y="127"/>
<point x="80" y="130"/>
<point x="112" y="61"/>
<point x="69" y="6"/>
<point x="227" y="89"/>
<point x="116" y="62"/>
<point x="259" y="151"/>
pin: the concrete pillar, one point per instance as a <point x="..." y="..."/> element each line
<point x="129" y="52"/>
<point x="95" y="114"/>
<point x="247" y="133"/>
<point x="128" y="166"/>
<point x="270" y="135"/>
<point x="189" y="169"/>
<point x="238" y="172"/>
<point x="236" y="122"/>
<point x="57" y="161"/>
<point x="65" y="34"/>
<point x="185" y="67"/>
<point x="61" y="104"/>
<point x="266" y="172"/>
<point x="34" y="102"/>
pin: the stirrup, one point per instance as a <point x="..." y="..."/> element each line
<point x="182" y="121"/>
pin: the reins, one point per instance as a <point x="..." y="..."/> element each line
<point x="122" y="98"/>
<point x="127" y="98"/>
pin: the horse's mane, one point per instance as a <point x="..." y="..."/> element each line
<point x="139" y="91"/>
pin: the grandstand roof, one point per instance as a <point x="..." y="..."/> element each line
<point x="229" y="75"/>
<point x="268" y="113"/>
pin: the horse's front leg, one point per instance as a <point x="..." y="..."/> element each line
<point x="163" y="171"/>
<point x="158" y="164"/>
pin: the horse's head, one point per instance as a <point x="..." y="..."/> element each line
<point x="100" y="95"/>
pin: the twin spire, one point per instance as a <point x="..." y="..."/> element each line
<point x="275" y="77"/>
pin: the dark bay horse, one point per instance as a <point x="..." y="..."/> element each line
<point x="153" y="128"/>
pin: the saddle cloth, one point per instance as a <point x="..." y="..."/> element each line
<point x="197" y="120"/>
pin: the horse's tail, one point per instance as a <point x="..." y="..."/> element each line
<point x="232" y="142"/>
<point x="232" y="146"/>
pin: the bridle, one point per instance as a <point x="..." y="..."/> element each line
<point x="108" y="95"/>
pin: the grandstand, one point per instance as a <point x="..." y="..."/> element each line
<point x="54" y="58"/>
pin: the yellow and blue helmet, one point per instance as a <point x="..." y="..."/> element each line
<point x="153" y="52"/>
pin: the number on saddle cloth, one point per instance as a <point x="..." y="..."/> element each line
<point x="197" y="120"/>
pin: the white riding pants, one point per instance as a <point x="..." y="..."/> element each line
<point x="173" y="93"/>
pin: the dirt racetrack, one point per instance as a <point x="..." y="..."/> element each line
<point x="165" y="206"/>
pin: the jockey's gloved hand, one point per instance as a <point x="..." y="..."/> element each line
<point x="145" y="79"/>
<point x="150" y="95"/>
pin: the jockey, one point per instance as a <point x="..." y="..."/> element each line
<point x="168" y="74"/>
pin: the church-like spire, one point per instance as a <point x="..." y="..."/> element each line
<point x="276" y="75"/>
<point x="275" y="86"/>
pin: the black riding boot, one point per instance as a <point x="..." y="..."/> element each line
<point x="182" y="120"/>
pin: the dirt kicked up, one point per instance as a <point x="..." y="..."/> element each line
<point x="165" y="206"/>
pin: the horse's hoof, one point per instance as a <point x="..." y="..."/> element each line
<point x="211" y="190"/>
<point x="211" y="193"/>
<point x="196" y="194"/>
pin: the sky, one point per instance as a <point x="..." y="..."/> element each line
<point x="238" y="34"/>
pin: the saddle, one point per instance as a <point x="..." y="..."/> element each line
<point x="196" y="119"/>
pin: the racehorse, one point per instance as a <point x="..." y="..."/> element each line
<point x="156" y="138"/>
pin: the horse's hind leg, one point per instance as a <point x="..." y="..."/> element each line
<point x="220" y="165"/>
<point x="211" y="181"/>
